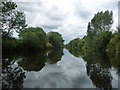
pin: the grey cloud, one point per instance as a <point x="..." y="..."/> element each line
<point x="29" y="6"/>
<point x="110" y="5"/>
<point x="54" y="13"/>
<point x="55" y="18"/>
<point x="81" y="11"/>
<point x="50" y="27"/>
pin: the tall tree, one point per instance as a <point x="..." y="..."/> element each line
<point x="99" y="25"/>
<point x="11" y="19"/>
<point x="102" y="21"/>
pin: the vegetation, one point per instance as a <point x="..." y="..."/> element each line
<point x="30" y="38"/>
<point x="98" y="31"/>
<point x="55" y="39"/>
<point x="100" y="48"/>
<point x="33" y="38"/>
<point x="12" y="20"/>
<point x="98" y="34"/>
<point x="75" y="47"/>
<point x="98" y="41"/>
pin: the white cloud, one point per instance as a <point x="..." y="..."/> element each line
<point x="68" y="17"/>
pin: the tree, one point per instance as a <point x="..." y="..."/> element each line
<point x="101" y="41"/>
<point x="102" y="21"/>
<point x="75" y="47"/>
<point x="33" y="38"/>
<point x="98" y="27"/>
<point x="11" y="19"/>
<point x="55" y="39"/>
<point x="113" y="50"/>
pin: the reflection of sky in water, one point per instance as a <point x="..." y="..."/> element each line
<point x="115" y="78"/>
<point x="70" y="72"/>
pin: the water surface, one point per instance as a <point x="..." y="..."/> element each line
<point x="58" y="69"/>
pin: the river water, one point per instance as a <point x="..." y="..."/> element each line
<point x="56" y="70"/>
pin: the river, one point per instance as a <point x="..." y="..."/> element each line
<point x="56" y="70"/>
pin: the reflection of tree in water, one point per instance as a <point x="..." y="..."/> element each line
<point x="100" y="77"/>
<point x="55" y="56"/>
<point x="97" y="57"/>
<point x="76" y="52"/>
<point x="33" y="61"/>
<point x="12" y="76"/>
<point x="98" y="65"/>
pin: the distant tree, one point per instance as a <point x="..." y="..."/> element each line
<point x="75" y="47"/>
<point x="11" y="19"/>
<point x="55" y="39"/>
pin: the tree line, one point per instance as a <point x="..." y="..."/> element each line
<point x="29" y="38"/>
<point x="99" y="37"/>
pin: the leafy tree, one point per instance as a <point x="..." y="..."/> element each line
<point x="11" y="19"/>
<point x="102" y="21"/>
<point x="75" y="47"/>
<point x="99" y="27"/>
<point x="101" y="41"/>
<point x="113" y="50"/>
<point x="55" y="39"/>
<point x="8" y="43"/>
<point x="33" y="38"/>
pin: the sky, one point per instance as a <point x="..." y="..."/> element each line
<point x="68" y="17"/>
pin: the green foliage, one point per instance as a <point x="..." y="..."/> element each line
<point x="33" y="38"/>
<point x="101" y="40"/>
<point x="8" y="43"/>
<point x="55" y="39"/>
<point x="102" y="21"/>
<point x="113" y="50"/>
<point x="11" y="19"/>
<point x="75" y="47"/>
<point x="98" y="33"/>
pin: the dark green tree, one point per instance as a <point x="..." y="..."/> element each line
<point x="55" y="39"/>
<point x="33" y="38"/>
<point x="99" y="26"/>
<point x="113" y="50"/>
<point x="102" y="21"/>
<point x="75" y="47"/>
<point x="11" y="19"/>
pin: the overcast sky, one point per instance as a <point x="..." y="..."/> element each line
<point x="68" y="17"/>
